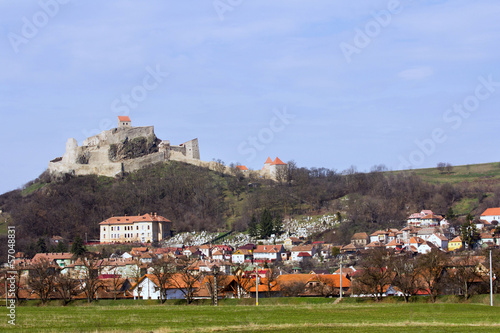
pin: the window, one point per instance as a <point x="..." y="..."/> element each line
<point x="103" y="236"/>
<point x="148" y="227"/>
<point x="117" y="228"/>
<point x="104" y="229"/>
<point x="111" y="228"/>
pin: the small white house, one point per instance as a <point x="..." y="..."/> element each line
<point x="148" y="288"/>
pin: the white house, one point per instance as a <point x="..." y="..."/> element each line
<point x="491" y="214"/>
<point x="298" y="252"/>
<point x="426" y="247"/>
<point x="145" y="228"/>
<point x="148" y="288"/>
<point x="268" y="252"/>
<point x="439" y="240"/>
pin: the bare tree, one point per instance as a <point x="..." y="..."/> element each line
<point x="66" y="287"/>
<point x="137" y="274"/>
<point x="162" y="269"/>
<point x="405" y="268"/>
<point x="375" y="273"/>
<point x="42" y="279"/>
<point x="90" y="282"/>
<point x="465" y="274"/>
<point x="270" y="280"/>
<point x="430" y="266"/>
<point x="186" y="280"/>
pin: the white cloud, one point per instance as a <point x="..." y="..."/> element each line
<point x="418" y="73"/>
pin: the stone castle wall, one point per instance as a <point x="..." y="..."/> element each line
<point x="93" y="157"/>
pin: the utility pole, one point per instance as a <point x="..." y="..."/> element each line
<point x="341" y="280"/>
<point x="491" y="281"/>
<point x="257" y="286"/>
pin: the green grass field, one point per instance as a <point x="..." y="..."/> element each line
<point x="462" y="173"/>
<point x="306" y="315"/>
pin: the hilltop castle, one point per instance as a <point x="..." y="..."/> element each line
<point x="126" y="149"/>
<point x="122" y="149"/>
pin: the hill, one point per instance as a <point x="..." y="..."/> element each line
<point x="486" y="172"/>
<point x="197" y="198"/>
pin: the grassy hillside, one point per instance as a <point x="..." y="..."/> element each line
<point x="489" y="172"/>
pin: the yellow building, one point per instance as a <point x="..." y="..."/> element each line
<point x="143" y="229"/>
<point x="455" y="244"/>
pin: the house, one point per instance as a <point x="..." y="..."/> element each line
<point x="430" y="220"/>
<point x="206" y="250"/>
<point x="349" y="248"/>
<point x="374" y="245"/>
<point x="291" y="242"/>
<point x="426" y="233"/>
<point x="218" y="255"/>
<point x="268" y="252"/>
<point x="360" y="239"/>
<point x="147" y="228"/>
<point x="61" y="259"/>
<point x="415" y="220"/>
<point x="395" y="245"/>
<point x="241" y="256"/>
<point x="298" y="253"/>
<point x="439" y="240"/>
<point x="455" y="244"/>
<point x="487" y="238"/>
<point x="491" y="214"/>
<point x="426" y="247"/>
<point x="326" y="285"/>
<point x="242" y="168"/>
<point x="379" y="236"/>
<point x="148" y="287"/>
<point x="415" y="242"/>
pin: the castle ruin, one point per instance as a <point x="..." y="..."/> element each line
<point x="122" y="149"/>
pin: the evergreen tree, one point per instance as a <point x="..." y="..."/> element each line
<point x="253" y="227"/>
<point x="450" y="215"/>
<point x="278" y="225"/>
<point x="77" y="247"/>
<point x="266" y="224"/>
<point x="41" y="247"/>
<point x="61" y="247"/>
<point x="470" y="235"/>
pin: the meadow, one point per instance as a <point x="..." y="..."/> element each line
<point x="291" y="315"/>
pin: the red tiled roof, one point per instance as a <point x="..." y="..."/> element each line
<point x="124" y="118"/>
<point x="269" y="161"/>
<point x="132" y="219"/>
<point x="277" y="161"/>
<point x="242" y="167"/>
<point x="491" y="212"/>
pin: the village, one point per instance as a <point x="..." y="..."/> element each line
<point x="436" y="260"/>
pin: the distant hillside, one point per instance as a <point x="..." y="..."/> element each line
<point x="196" y="198"/>
<point x="487" y="172"/>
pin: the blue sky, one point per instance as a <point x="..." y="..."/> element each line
<point x="326" y="83"/>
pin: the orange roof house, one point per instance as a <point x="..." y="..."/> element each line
<point x="131" y="229"/>
<point x="491" y="214"/>
<point x="124" y="121"/>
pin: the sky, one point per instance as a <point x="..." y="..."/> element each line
<point x="325" y="83"/>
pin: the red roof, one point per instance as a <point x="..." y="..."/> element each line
<point x="132" y="219"/>
<point x="491" y="212"/>
<point x="124" y="118"/>
<point x="269" y="161"/>
<point x="242" y="167"/>
<point x="277" y="161"/>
